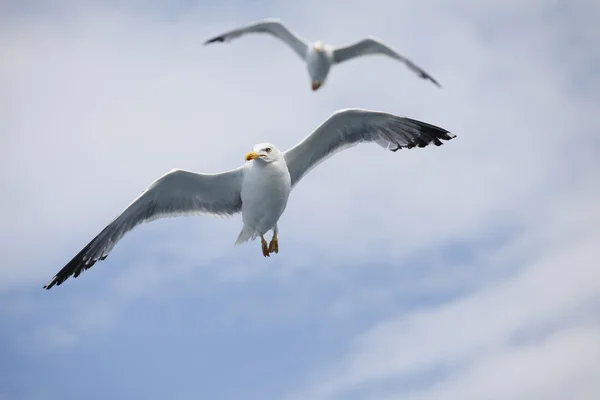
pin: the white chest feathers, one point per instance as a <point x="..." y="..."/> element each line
<point x="265" y="192"/>
<point x="319" y="63"/>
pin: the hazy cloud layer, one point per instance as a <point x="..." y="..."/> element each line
<point x="466" y="271"/>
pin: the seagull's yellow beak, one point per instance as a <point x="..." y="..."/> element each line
<point x="251" y="156"/>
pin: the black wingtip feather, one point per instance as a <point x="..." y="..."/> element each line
<point x="215" y="40"/>
<point x="74" y="267"/>
<point x="430" y="134"/>
<point x="425" y="75"/>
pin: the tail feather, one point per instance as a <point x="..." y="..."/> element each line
<point x="246" y="234"/>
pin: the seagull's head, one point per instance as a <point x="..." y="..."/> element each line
<point x="318" y="46"/>
<point x="264" y="152"/>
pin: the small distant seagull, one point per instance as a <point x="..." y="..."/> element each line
<point x="319" y="57"/>
<point x="260" y="187"/>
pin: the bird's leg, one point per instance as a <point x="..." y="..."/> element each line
<point x="274" y="245"/>
<point x="265" y="249"/>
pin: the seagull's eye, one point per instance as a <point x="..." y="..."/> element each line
<point x="268" y="149"/>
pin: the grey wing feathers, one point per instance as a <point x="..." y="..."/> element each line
<point x="175" y="193"/>
<point x="273" y="27"/>
<point x="348" y="128"/>
<point x="372" y="45"/>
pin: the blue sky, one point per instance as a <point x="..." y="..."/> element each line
<point x="467" y="271"/>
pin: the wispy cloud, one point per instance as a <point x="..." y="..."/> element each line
<point x="537" y="314"/>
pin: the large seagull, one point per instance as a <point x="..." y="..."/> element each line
<point x="319" y="57"/>
<point x="260" y="187"/>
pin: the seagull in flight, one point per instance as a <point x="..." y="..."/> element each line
<point x="260" y="188"/>
<point x="318" y="56"/>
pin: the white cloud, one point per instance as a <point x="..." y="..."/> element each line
<point x="108" y="87"/>
<point x="562" y="365"/>
<point x="550" y="303"/>
<point x="102" y="99"/>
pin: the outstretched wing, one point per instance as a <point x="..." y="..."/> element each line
<point x="174" y="194"/>
<point x="273" y="27"/>
<point x="347" y="128"/>
<point x="374" y="46"/>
